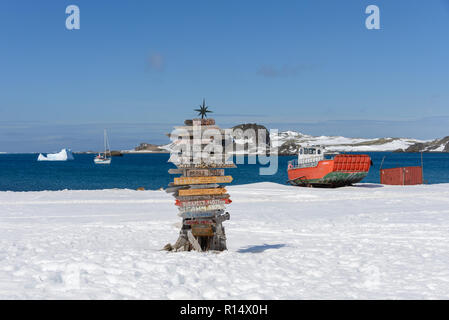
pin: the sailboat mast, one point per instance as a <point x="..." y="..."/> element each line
<point x="104" y="140"/>
<point x="107" y="148"/>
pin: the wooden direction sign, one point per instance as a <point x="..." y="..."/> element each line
<point x="202" y="180"/>
<point x="200" y="230"/>
<point x="203" y="135"/>
<point x="204" y="186"/>
<point x="209" y="214"/>
<point x="198" y="221"/>
<point x="176" y="171"/>
<point x="203" y="161"/>
<point x="195" y="192"/>
<point x="203" y="172"/>
<point x="194" y="203"/>
<point x="197" y="172"/>
<point x="202" y="208"/>
<point x="204" y="122"/>
<point x="200" y="127"/>
<point x="174" y="189"/>
<point x="202" y="197"/>
<point x="206" y="165"/>
<point x="193" y="186"/>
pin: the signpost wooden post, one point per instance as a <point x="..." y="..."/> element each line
<point x="200" y="198"/>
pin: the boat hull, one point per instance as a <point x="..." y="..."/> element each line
<point x="102" y="161"/>
<point x="341" y="171"/>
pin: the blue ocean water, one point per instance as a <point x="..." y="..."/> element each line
<point x="21" y="172"/>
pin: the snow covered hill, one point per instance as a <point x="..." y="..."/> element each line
<point x="363" y="242"/>
<point x="437" y="145"/>
<point x="289" y="141"/>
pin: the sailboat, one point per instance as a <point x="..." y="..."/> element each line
<point x="104" y="158"/>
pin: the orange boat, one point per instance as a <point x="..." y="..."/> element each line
<point x="312" y="169"/>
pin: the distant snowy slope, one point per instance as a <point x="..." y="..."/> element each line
<point x="289" y="141"/>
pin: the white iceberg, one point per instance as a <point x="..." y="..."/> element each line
<point x="63" y="155"/>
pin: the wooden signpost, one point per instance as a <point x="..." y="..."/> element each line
<point x="200" y="198"/>
<point x="202" y="180"/>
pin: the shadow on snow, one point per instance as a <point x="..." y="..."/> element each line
<point x="261" y="248"/>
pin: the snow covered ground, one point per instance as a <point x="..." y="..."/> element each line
<point x="362" y="242"/>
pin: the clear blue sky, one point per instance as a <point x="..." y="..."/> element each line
<point x="139" y="67"/>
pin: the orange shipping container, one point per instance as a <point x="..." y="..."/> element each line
<point x="401" y="176"/>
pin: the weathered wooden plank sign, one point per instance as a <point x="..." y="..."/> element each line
<point x="198" y="221"/>
<point x="176" y="171"/>
<point x="202" y="180"/>
<point x="205" y="165"/>
<point x="208" y="214"/>
<point x="194" y="192"/>
<point x="202" y="208"/>
<point x="203" y="122"/>
<point x="202" y="197"/>
<point x="175" y="189"/>
<point x="199" y="230"/>
<point x="194" y="186"/>
<point x="204" y="172"/>
<point x="202" y="202"/>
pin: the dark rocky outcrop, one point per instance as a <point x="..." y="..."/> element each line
<point x="289" y="147"/>
<point x="254" y="126"/>
<point x="115" y="153"/>
<point x="148" y="147"/>
<point x="250" y="132"/>
<point x="417" y="147"/>
<point x="430" y="146"/>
